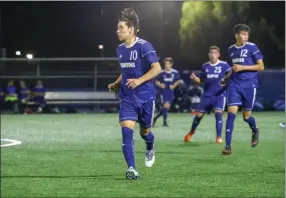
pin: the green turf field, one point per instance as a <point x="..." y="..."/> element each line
<point x="80" y="156"/>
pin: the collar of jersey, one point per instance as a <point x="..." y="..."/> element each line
<point x="215" y="63"/>
<point x="132" y="43"/>
<point x="237" y="47"/>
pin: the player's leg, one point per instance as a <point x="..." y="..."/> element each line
<point x="247" y="104"/>
<point x="127" y="118"/>
<point x="145" y="120"/>
<point x="166" y="108"/>
<point x="233" y="102"/>
<point x="202" y="108"/>
<point x="220" y="102"/>
<point x="160" y="113"/>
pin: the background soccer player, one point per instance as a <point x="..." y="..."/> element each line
<point x="167" y="80"/>
<point x="39" y="93"/>
<point x="214" y="96"/>
<point x="247" y="60"/>
<point x="24" y="96"/>
<point x="139" y="65"/>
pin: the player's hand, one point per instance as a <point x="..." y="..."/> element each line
<point x="237" y="68"/>
<point x="113" y="87"/>
<point x="172" y="87"/>
<point x="162" y="86"/>
<point x="222" y="82"/>
<point x="133" y="83"/>
<point x="193" y="76"/>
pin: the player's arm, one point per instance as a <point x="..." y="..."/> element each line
<point x="152" y="73"/>
<point x="257" y="57"/>
<point x="178" y="81"/>
<point x="195" y="78"/>
<point x="176" y="84"/>
<point x="259" y="66"/>
<point x="159" y="84"/>
<point x="224" y="80"/>
<point x="113" y="87"/>
<point x="148" y="54"/>
<point x="119" y="79"/>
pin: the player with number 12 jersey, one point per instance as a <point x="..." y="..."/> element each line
<point x="246" y="60"/>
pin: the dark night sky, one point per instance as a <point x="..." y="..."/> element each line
<point x="75" y="29"/>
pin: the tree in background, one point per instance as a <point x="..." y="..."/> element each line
<point x="211" y="23"/>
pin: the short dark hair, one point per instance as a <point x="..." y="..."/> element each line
<point x="170" y="59"/>
<point x="214" y="47"/>
<point x="129" y="16"/>
<point x="241" y="27"/>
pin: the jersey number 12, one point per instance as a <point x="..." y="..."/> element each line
<point x="243" y="53"/>
<point x="133" y="55"/>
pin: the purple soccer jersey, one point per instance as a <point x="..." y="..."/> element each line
<point x="135" y="61"/>
<point x="168" y="78"/>
<point x="242" y="85"/>
<point x="248" y="54"/>
<point x="211" y="74"/>
<point x="214" y="94"/>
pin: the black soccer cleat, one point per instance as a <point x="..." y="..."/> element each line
<point x="255" y="138"/>
<point x="226" y="151"/>
<point x="165" y="124"/>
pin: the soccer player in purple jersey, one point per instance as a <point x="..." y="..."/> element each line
<point x="214" y="96"/>
<point x="139" y="65"/>
<point x="167" y="80"/>
<point x="247" y="60"/>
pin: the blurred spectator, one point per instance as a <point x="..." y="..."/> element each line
<point x="24" y="97"/>
<point x="195" y="93"/>
<point x="39" y="93"/>
<point x="11" y="99"/>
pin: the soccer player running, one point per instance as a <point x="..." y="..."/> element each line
<point x="139" y="65"/>
<point x="247" y="61"/>
<point x="214" y="96"/>
<point x="168" y="80"/>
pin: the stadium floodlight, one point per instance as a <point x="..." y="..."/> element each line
<point x="29" y="56"/>
<point x="18" y="53"/>
<point x="100" y="47"/>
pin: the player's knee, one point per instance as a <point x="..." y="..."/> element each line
<point x="200" y="115"/>
<point x="246" y="115"/>
<point x="232" y="109"/>
<point x="128" y="124"/>
<point x="166" y="105"/>
<point x="218" y="111"/>
<point x="144" y="131"/>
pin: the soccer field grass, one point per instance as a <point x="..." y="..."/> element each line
<point x="80" y="156"/>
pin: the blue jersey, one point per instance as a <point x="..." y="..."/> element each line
<point x="246" y="55"/>
<point x="168" y="78"/>
<point x="135" y="61"/>
<point x="212" y="75"/>
<point x="11" y="89"/>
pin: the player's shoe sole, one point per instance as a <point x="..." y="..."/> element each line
<point x="255" y="139"/>
<point x="219" y="140"/>
<point x="226" y="151"/>
<point x="149" y="158"/>
<point x="188" y="137"/>
<point x="132" y="174"/>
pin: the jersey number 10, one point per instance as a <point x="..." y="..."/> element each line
<point x="133" y="55"/>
